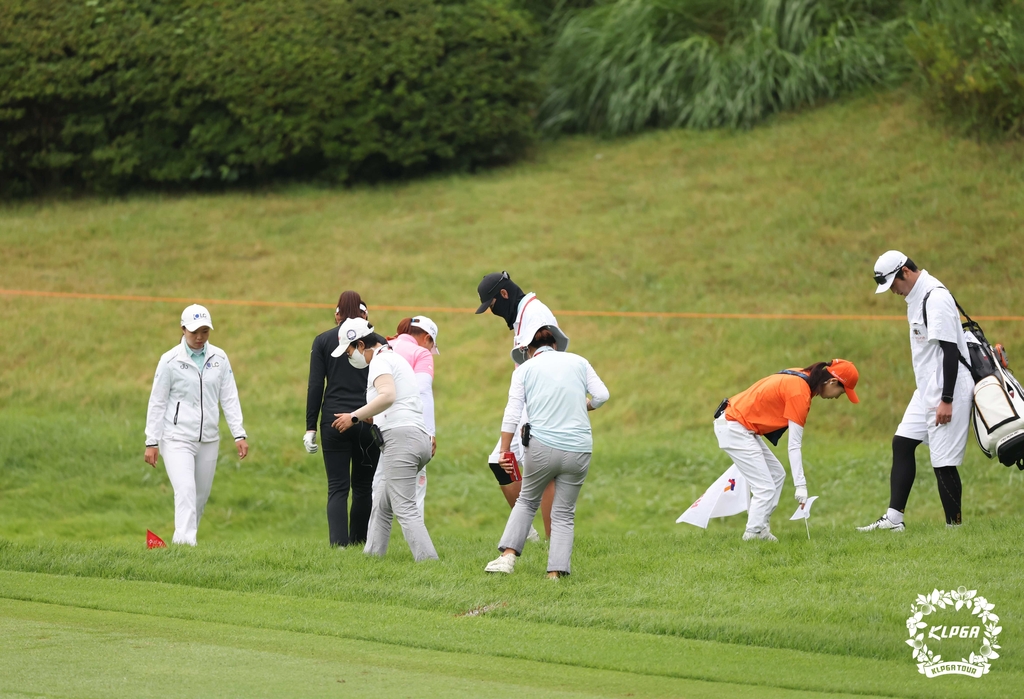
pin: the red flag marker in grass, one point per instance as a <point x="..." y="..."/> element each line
<point x="153" y="541"/>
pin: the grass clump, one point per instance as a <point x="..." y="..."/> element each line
<point x="633" y="64"/>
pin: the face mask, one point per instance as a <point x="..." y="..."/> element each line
<point x="357" y="360"/>
<point x="501" y="307"/>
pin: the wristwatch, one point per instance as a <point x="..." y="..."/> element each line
<point x="354" y="419"/>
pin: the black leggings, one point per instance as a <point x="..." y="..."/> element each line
<point x="904" y="470"/>
<point x="352" y="449"/>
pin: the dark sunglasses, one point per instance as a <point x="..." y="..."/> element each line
<point x="881" y="278"/>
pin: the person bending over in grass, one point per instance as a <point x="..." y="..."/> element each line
<point x="524" y="314"/>
<point x="393" y="400"/>
<point x="554" y="387"/>
<point x="193" y="382"/>
<point x="766" y="410"/>
<point x="416" y="342"/>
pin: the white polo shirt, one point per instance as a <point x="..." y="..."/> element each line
<point x="407" y="410"/>
<point x="943" y="325"/>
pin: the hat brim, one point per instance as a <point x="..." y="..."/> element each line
<point x="339" y="351"/>
<point x="852" y="395"/>
<point x="195" y="325"/>
<point x="882" y="288"/>
<point x="484" y="306"/>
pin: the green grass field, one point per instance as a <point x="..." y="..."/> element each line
<point x="787" y="218"/>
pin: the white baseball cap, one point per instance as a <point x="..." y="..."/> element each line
<point x="429" y="327"/>
<point x="350" y="331"/>
<point x="886" y="268"/>
<point x="196" y="316"/>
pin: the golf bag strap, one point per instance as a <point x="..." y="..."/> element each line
<point x="924" y="312"/>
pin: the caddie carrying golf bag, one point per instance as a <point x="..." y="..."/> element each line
<point x="998" y="412"/>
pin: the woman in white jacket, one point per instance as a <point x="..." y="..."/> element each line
<point x="193" y="382"/>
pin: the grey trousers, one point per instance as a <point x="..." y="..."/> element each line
<point x="406" y="451"/>
<point x="541" y="465"/>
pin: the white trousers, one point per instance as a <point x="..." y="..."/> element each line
<point x="421" y="489"/>
<point x="190" y="467"/>
<point x="764" y="473"/>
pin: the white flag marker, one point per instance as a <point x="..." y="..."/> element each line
<point x="804" y="512"/>
<point x="729" y="495"/>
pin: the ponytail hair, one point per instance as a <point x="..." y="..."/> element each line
<point x="818" y="374"/>
<point x="348" y="305"/>
<point x="543" y="338"/>
<point x="405" y="327"/>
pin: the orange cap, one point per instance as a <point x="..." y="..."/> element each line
<point x="846" y="373"/>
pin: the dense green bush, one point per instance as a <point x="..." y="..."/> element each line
<point x="632" y="64"/>
<point x="110" y="94"/>
<point x="970" y="57"/>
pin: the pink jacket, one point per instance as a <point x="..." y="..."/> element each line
<point x="419" y="358"/>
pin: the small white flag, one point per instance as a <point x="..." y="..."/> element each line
<point x="729" y="495"/>
<point x="804" y="510"/>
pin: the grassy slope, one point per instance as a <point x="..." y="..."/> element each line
<point x="785" y="218"/>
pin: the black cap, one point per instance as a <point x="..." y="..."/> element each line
<point x="488" y="288"/>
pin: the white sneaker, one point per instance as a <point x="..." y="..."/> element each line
<point x="502" y="564"/>
<point x="765" y="535"/>
<point x="883" y="522"/>
<point x="533" y="536"/>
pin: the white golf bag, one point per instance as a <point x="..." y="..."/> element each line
<point x="998" y="412"/>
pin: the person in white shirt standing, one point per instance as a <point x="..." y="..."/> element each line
<point x="393" y="401"/>
<point x="939" y="412"/>
<point x="554" y="387"/>
<point x="524" y="314"/>
<point x="193" y="382"/>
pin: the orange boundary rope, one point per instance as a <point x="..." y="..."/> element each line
<point x="439" y="309"/>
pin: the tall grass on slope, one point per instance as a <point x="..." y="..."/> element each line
<point x="633" y="64"/>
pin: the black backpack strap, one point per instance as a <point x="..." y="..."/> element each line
<point x="776" y="435"/>
<point x="802" y="375"/>
<point x="924" y="312"/>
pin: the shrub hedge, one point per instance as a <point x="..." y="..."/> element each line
<point x="970" y="57"/>
<point x="104" y="95"/>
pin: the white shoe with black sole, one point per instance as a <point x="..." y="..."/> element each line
<point x="883" y="522"/>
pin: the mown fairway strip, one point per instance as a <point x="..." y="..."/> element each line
<point x="439" y="309"/>
<point x="78" y="652"/>
<point x="595" y="649"/>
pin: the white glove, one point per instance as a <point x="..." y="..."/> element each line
<point x="801" y="494"/>
<point x="309" y="441"/>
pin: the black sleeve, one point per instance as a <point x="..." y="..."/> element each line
<point x="950" y="367"/>
<point x="315" y="390"/>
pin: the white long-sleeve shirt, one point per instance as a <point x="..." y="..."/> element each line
<point x="186" y="400"/>
<point x="553" y="386"/>
<point x="796" y="459"/>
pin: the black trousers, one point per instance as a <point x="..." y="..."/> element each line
<point x="351" y="460"/>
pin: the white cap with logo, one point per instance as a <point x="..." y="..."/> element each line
<point x="350" y="331"/>
<point x="195" y="317"/>
<point x="429" y="327"/>
<point x="886" y="268"/>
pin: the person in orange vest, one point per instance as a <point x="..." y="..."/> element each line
<point x="766" y="410"/>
